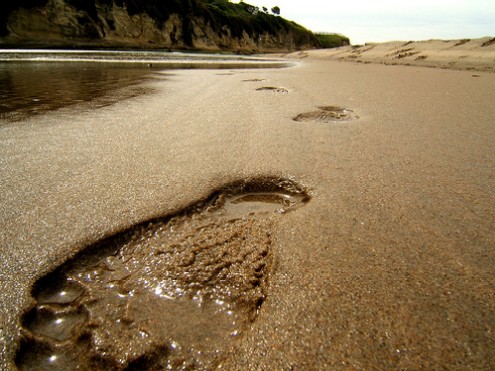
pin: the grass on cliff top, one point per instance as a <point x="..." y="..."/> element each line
<point x="245" y="17"/>
<point x="331" y="40"/>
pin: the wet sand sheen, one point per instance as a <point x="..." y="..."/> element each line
<point x="389" y="266"/>
<point x="175" y="292"/>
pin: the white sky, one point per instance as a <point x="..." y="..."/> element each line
<point x="385" y="20"/>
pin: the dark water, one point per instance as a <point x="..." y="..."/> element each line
<point x="32" y="88"/>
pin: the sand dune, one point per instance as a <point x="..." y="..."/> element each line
<point x="466" y="54"/>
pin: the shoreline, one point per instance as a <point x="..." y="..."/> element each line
<point x="162" y="59"/>
<point x="463" y="54"/>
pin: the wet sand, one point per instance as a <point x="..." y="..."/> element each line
<point x="387" y="264"/>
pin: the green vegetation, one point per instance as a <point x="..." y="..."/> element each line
<point x="331" y="40"/>
<point x="245" y="17"/>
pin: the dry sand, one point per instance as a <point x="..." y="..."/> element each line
<point x="390" y="263"/>
<point x="466" y="54"/>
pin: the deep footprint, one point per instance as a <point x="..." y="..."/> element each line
<point x="327" y="114"/>
<point x="172" y="293"/>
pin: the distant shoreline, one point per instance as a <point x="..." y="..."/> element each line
<point x="162" y="59"/>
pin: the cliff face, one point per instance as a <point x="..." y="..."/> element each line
<point x="110" y="23"/>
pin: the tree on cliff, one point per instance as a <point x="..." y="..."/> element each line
<point x="276" y="10"/>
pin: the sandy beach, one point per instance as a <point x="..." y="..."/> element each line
<point x="386" y="262"/>
<point x="465" y="54"/>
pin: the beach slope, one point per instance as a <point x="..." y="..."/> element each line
<point x="386" y="263"/>
<point x="464" y="54"/>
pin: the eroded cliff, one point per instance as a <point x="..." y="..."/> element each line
<point x="192" y="24"/>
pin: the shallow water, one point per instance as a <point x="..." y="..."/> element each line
<point x="36" y="81"/>
<point x="28" y="89"/>
<point x="252" y="203"/>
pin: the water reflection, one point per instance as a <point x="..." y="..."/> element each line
<point x="30" y="88"/>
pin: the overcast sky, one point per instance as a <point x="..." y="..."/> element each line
<point x="384" y="20"/>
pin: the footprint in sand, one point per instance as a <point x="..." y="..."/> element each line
<point x="171" y="293"/>
<point x="273" y="89"/>
<point x="327" y="114"/>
